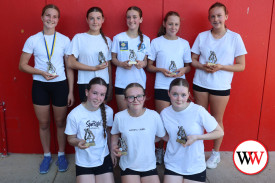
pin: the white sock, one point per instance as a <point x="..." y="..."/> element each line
<point x="48" y="154"/>
<point x="217" y="153"/>
<point x="61" y="153"/>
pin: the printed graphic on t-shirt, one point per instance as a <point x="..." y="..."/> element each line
<point x="140" y="129"/>
<point x="123" y="45"/>
<point x="142" y="48"/>
<point x="93" y="124"/>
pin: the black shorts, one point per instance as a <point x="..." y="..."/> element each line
<point x="44" y="92"/>
<point x="161" y="94"/>
<point x="106" y="167"/>
<point x="119" y="91"/>
<point x="200" y="177"/>
<point x="82" y="94"/>
<point x="141" y="174"/>
<point x="212" y="92"/>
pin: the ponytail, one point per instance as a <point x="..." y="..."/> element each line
<point x="105" y="39"/>
<point x="140" y="38"/>
<point x="103" y="115"/>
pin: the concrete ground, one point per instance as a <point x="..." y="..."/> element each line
<point x="24" y="168"/>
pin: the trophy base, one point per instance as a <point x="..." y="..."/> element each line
<point x="173" y="74"/>
<point x="132" y="62"/>
<point x="210" y="64"/>
<point x="88" y="144"/>
<point x="52" y="73"/>
<point x="122" y="153"/>
<point x="181" y="141"/>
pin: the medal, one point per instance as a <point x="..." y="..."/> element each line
<point x="51" y="69"/>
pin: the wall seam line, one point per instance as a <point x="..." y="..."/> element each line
<point x="267" y="56"/>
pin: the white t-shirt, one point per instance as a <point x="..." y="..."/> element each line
<point x="226" y="49"/>
<point x="80" y="119"/>
<point x="36" y="45"/>
<point x="122" y="43"/>
<point x="194" y="119"/>
<point x="163" y="51"/>
<point x="139" y="134"/>
<point x="85" y="48"/>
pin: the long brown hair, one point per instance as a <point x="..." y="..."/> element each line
<point x="139" y="31"/>
<point x="98" y="9"/>
<point x="162" y="29"/>
<point x="100" y="81"/>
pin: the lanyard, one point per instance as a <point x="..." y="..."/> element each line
<point x="46" y="46"/>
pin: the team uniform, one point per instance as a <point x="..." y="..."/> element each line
<point x="190" y="160"/>
<point x="85" y="48"/>
<point x="139" y="134"/>
<point x="79" y="121"/>
<point x="225" y="49"/>
<point x="56" y="89"/>
<point x="122" y="43"/>
<point x="163" y="51"/>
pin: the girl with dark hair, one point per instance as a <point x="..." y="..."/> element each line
<point x="88" y="130"/>
<point x="166" y="50"/>
<point x="138" y="126"/>
<point x="213" y="55"/>
<point x="49" y="83"/>
<point x="185" y="161"/>
<point x="87" y="50"/>
<point x="126" y="45"/>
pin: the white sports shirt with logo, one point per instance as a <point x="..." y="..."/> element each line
<point x="79" y="119"/>
<point x="139" y="134"/>
<point x="194" y="119"/>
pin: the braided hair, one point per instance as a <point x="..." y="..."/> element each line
<point x="100" y="81"/>
<point x="139" y="31"/>
<point x="97" y="9"/>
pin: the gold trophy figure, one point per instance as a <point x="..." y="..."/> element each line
<point x="182" y="137"/>
<point x="101" y="58"/>
<point x="51" y="69"/>
<point x="88" y="136"/>
<point x="212" y="58"/>
<point x="122" y="146"/>
<point x="132" y="57"/>
<point x="173" y="68"/>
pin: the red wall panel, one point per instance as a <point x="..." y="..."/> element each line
<point x="242" y="117"/>
<point x="267" y="125"/>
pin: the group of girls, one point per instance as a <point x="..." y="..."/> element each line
<point x="140" y="127"/>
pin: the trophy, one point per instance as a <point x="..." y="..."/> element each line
<point x="122" y="146"/>
<point x="132" y="57"/>
<point x="101" y="58"/>
<point x="212" y="59"/>
<point x="51" y="69"/>
<point x="173" y="68"/>
<point x="89" y="138"/>
<point x="182" y="137"/>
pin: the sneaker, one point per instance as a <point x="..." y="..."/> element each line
<point x="159" y="156"/>
<point x="214" y="159"/>
<point x="62" y="163"/>
<point x="45" y="165"/>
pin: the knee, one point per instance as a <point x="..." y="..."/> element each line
<point x="44" y="126"/>
<point x="60" y="123"/>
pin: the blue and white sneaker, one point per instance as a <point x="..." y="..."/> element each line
<point x="45" y="165"/>
<point x="62" y="163"/>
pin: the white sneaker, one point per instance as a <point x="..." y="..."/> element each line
<point x="214" y="159"/>
<point x="159" y="156"/>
